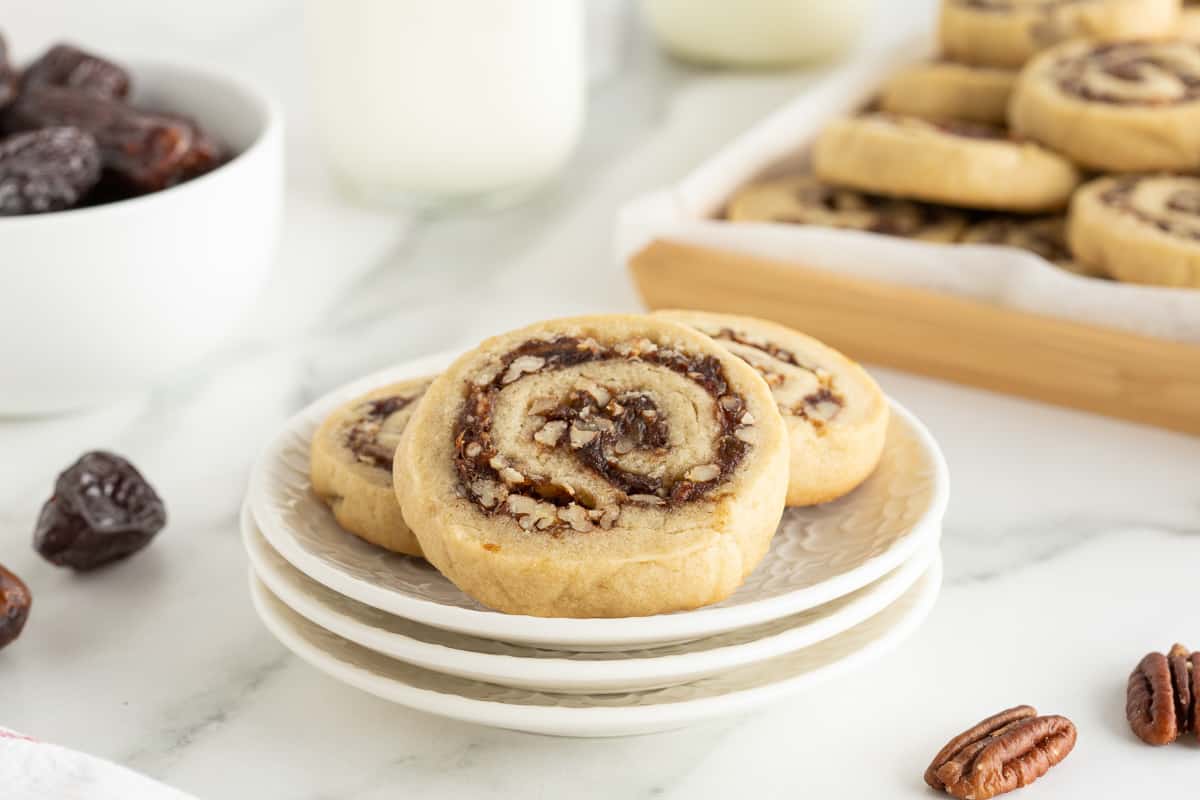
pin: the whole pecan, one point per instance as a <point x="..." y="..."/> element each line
<point x="14" y="606"/>
<point x="1162" y="700"/>
<point x="1004" y="752"/>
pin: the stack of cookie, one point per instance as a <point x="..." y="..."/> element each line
<point x="603" y="466"/>
<point x="1066" y="128"/>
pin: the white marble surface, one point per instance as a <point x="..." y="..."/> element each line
<point x="1072" y="542"/>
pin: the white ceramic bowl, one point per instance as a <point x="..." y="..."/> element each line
<point x="95" y="302"/>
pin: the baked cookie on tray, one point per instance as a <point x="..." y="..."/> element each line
<point x="351" y="464"/>
<point x="948" y="90"/>
<point x="804" y="200"/>
<point x="1007" y="33"/>
<point x="835" y="413"/>
<point x="949" y="162"/>
<point x="601" y="466"/>
<point x="1046" y="236"/>
<point x="1118" y="107"/>
<point x="1140" y="228"/>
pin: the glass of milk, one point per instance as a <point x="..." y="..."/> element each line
<point x="435" y="103"/>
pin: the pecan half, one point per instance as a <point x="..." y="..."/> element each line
<point x="1162" y="700"/>
<point x="14" y="606"/>
<point x="1004" y="752"/>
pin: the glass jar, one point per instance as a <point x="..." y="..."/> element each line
<point x="757" y="33"/>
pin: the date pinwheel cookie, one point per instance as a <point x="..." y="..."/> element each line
<point x="351" y="464"/>
<point x="835" y="414"/>
<point x="804" y="200"/>
<point x="948" y="90"/>
<point x="1117" y="107"/>
<point x="1007" y="33"/>
<point x="601" y="466"/>
<point x="951" y="162"/>
<point x="1139" y="228"/>
<point x="1046" y="236"/>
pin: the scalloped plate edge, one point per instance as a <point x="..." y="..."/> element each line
<point x="596" y="722"/>
<point x="565" y="675"/>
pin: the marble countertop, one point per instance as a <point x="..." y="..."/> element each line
<point x="1071" y="544"/>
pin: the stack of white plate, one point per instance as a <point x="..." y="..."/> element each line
<point x="842" y="584"/>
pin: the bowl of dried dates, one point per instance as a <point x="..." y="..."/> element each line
<point x="140" y="206"/>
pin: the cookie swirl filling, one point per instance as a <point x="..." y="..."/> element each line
<point x="376" y="431"/>
<point x="1171" y="203"/>
<point x="1143" y="73"/>
<point x="606" y="428"/>
<point x="816" y="399"/>
<point x="819" y="203"/>
<point x="1045" y="236"/>
<point x="805" y="200"/>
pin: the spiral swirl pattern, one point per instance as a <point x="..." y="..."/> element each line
<point x="1045" y="236"/>
<point x="351" y="459"/>
<point x="1007" y="33"/>
<point x="835" y="414"/>
<point x="802" y="390"/>
<point x="804" y="200"/>
<point x="595" y="466"/>
<point x="1132" y="73"/>
<point x="1170" y="203"/>
<point x="375" y="428"/>
<point x="1139" y="228"/>
<point x="1131" y="106"/>
<point x="548" y="440"/>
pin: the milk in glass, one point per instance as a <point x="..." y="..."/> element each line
<point x="436" y="102"/>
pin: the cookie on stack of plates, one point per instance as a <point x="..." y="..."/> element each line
<point x="601" y="501"/>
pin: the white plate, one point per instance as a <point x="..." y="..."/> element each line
<point x="736" y="692"/>
<point x="558" y="671"/>
<point x="818" y="554"/>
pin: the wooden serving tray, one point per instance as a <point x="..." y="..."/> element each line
<point x="1056" y="361"/>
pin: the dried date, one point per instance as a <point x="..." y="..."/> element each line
<point x="102" y="510"/>
<point x="15" y="601"/>
<point x="1162" y="699"/>
<point x="68" y="66"/>
<point x="47" y="170"/>
<point x="1002" y="753"/>
<point x="148" y="151"/>
<point x="8" y="76"/>
<point x="110" y="189"/>
<point x="205" y="153"/>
